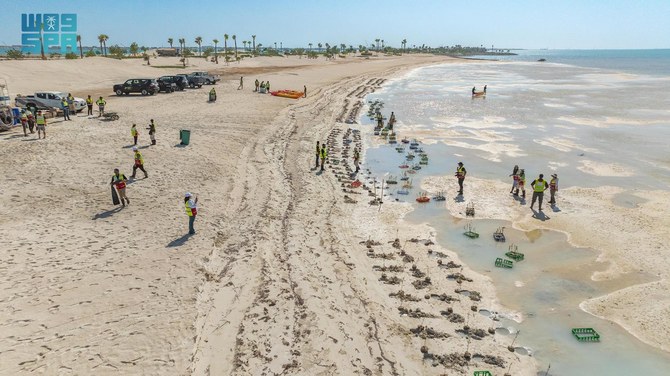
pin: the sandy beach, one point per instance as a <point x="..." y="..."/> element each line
<point x="285" y="275"/>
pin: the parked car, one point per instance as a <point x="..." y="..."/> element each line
<point x="43" y="100"/>
<point x="166" y="87"/>
<point x="146" y="86"/>
<point x="209" y="79"/>
<point x="180" y="81"/>
<point x="193" y="81"/>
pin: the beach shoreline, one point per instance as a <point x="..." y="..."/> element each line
<point x="125" y="290"/>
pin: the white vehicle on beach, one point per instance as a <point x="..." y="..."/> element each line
<point x="43" y="100"/>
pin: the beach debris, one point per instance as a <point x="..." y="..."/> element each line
<point x="416" y="272"/>
<point x="503" y="263"/>
<point x="514" y="254"/>
<point x="437" y="254"/>
<point x="449" y="265"/>
<point x="389" y="268"/>
<point x="369" y="243"/>
<point x="470" y="231"/>
<point x="405" y="140"/>
<point x="404" y="297"/>
<point x="421" y="283"/>
<point x="385" y="256"/>
<point x="416" y="167"/>
<point x="407" y="184"/>
<point x="349" y="200"/>
<point x="439" y="197"/>
<point x="391" y="180"/>
<point x="499" y="234"/>
<point x="425" y="332"/>
<point x="403" y="191"/>
<point x="400" y="149"/>
<point x="459" y="277"/>
<point x="586" y="334"/>
<point x="470" y="209"/>
<point x="112" y="116"/>
<point x="394" y="280"/>
<point x="452" y="317"/>
<point x="482" y="373"/>
<point x="423" y="198"/>
<point x="404" y="165"/>
<point x="477" y="334"/>
<point x="414" y="313"/>
<point x="445" y="298"/>
<point x="511" y="348"/>
<point x="409" y="156"/>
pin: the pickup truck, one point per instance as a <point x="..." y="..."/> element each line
<point x="193" y="81"/>
<point x="209" y="79"/>
<point x="47" y="100"/>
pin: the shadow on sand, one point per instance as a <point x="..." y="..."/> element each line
<point x="108" y="213"/>
<point x="179" y="241"/>
<point x="459" y="198"/>
<point x="540" y="215"/>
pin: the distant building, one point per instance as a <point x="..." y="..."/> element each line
<point x="166" y="52"/>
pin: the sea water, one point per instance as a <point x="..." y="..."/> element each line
<point x="596" y="124"/>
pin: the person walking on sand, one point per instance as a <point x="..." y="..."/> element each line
<point x="101" y="106"/>
<point x="357" y="159"/>
<point x="257" y="84"/>
<point x="515" y="179"/>
<point x="241" y="87"/>
<point x="191" y="205"/>
<point x="460" y="175"/>
<point x="24" y="123"/>
<point x="66" y="109"/>
<point x="139" y="163"/>
<point x="267" y="87"/>
<point x="152" y="132"/>
<point x="134" y="133"/>
<point x="318" y="153"/>
<point x="484" y="89"/>
<point x="89" y="106"/>
<point x="31" y="120"/>
<point x="70" y="104"/>
<point x="305" y="89"/>
<point x="41" y="125"/>
<point x="521" y="183"/>
<point x="539" y="186"/>
<point x="553" y="188"/>
<point x="119" y="180"/>
<point x="324" y="155"/>
<point x="212" y="95"/>
<point x="473" y="90"/>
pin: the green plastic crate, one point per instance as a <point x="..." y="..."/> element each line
<point x="471" y="234"/>
<point x="514" y="255"/>
<point x="482" y="373"/>
<point x="500" y="263"/>
<point x="586" y="334"/>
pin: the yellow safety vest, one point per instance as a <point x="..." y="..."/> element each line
<point x="138" y="158"/>
<point x="133" y="132"/>
<point x="89" y="100"/>
<point x="41" y="120"/>
<point x="324" y="153"/>
<point x="459" y="172"/>
<point x="539" y="185"/>
<point x="189" y="210"/>
<point x="101" y="102"/>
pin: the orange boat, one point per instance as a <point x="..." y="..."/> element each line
<point x="294" y="94"/>
<point x="423" y="198"/>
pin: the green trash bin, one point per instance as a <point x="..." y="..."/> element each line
<point x="185" y="136"/>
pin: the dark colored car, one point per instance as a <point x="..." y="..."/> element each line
<point x="166" y="87"/>
<point x="193" y="81"/>
<point x="145" y="86"/>
<point x="180" y="81"/>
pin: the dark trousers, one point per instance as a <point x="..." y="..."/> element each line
<point x="460" y="185"/>
<point x="141" y="167"/>
<point x="191" y="221"/>
<point x="323" y="160"/>
<point x="552" y="198"/>
<point x="90" y="109"/>
<point x="537" y="196"/>
<point x="66" y="114"/>
<point x="317" y="161"/>
<point x="135" y="140"/>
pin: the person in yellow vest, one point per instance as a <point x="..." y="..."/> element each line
<point x="539" y="186"/>
<point x="139" y="163"/>
<point x="119" y="180"/>
<point x="460" y="175"/>
<point x="324" y="155"/>
<point x="191" y="205"/>
<point x="553" y="188"/>
<point x="70" y="104"/>
<point x="134" y="133"/>
<point x="24" y="123"/>
<point x="41" y="121"/>
<point x="31" y="120"/>
<point x="318" y="153"/>
<point x="212" y="95"/>
<point x="66" y="109"/>
<point x="101" y="106"/>
<point x="89" y="105"/>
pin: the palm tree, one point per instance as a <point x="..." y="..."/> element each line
<point x="102" y="38"/>
<point x="275" y="46"/>
<point x="320" y="45"/>
<point x="404" y="45"/>
<point x="310" y="47"/>
<point x="216" y="56"/>
<point x="382" y="44"/>
<point x="253" y="37"/>
<point x="198" y="41"/>
<point x="170" y="41"/>
<point x="244" y="42"/>
<point x="134" y="48"/>
<point x="182" y="45"/>
<point x="225" y="47"/>
<point x="81" y="51"/>
<point x="377" y="42"/>
<point x="342" y="47"/>
<point x="235" y="40"/>
<point x="42" y="41"/>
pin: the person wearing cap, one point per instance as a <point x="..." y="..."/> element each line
<point x="139" y="163"/>
<point x="101" y="106"/>
<point x="539" y="186"/>
<point x="553" y="188"/>
<point x="133" y="132"/>
<point x="460" y="175"/>
<point x="41" y="121"/>
<point x="119" y="180"/>
<point x="152" y="132"/>
<point x="191" y="205"/>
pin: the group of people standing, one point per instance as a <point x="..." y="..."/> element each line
<point x="31" y="121"/>
<point x="262" y="87"/>
<point x="538" y="185"/>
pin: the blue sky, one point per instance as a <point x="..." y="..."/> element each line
<point x="580" y="24"/>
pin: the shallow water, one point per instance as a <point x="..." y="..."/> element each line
<point x="546" y="119"/>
